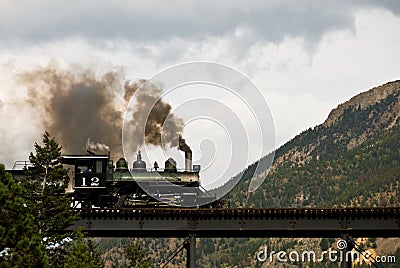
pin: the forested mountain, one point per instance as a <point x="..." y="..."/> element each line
<point x="352" y="159"/>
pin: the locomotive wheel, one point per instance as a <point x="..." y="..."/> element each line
<point x="121" y="201"/>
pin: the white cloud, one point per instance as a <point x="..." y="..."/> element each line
<point x="302" y="87"/>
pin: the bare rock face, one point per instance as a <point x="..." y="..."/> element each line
<point x="366" y="99"/>
<point x="347" y="126"/>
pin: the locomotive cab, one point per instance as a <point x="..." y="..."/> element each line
<point x="89" y="171"/>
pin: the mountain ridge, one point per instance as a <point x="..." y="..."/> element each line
<point x="364" y="99"/>
<point x="348" y="128"/>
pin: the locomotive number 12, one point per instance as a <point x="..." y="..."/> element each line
<point x="94" y="181"/>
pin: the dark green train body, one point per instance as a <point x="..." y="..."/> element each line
<point x="97" y="183"/>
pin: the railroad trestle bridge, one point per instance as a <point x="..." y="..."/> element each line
<point x="239" y="222"/>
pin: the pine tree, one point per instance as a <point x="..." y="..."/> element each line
<point x="83" y="253"/>
<point x="45" y="188"/>
<point x="136" y="256"/>
<point x="34" y="209"/>
<point x="20" y="244"/>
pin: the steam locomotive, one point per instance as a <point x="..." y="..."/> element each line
<point x="97" y="183"/>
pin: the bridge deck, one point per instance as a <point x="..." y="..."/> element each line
<point x="240" y="222"/>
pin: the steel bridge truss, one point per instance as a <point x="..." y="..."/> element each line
<point x="240" y="222"/>
<point x="274" y="222"/>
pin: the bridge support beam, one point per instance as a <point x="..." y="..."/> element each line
<point x="191" y="251"/>
<point x="347" y="258"/>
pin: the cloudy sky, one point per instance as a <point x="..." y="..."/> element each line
<point x="306" y="57"/>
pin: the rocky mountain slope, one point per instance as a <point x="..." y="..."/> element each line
<point x="357" y="147"/>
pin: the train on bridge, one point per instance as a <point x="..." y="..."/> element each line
<point x="97" y="182"/>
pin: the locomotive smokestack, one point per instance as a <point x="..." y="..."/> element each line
<point x="188" y="161"/>
<point x="188" y="153"/>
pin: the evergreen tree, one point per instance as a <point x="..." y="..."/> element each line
<point x="136" y="256"/>
<point x="83" y="253"/>
<point x="45" y="188"/>
<point x="34" y="209"/>
<point x="20" y="244"/>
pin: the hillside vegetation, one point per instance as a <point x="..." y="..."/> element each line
<point x="352" y="159"/>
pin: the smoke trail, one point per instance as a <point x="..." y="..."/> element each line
<point x="79" y="107"/>
<point x="152" y="118"/>
<point x="130" y="88"/>
<point x="183" y="146"/>
<point x="76" y="106"/>
<point x="90" y="145"/>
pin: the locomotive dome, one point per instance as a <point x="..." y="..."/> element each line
<point x="139" y="165"/>
<point x="170" y="165"/>
<point x="122" y="165"/>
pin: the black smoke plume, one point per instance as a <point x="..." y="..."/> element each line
<point x="152" y="117"/>
<point x="183" y="146"/>
<point x="85" y="110"/>
<point x="76" y="106"/>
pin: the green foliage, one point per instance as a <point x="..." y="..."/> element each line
<point x="324" y="244"/>
<point x="396" y="255"/>
<point x="20" y="245"/>
<point x="207" y="246"/>
<point x="136" y="256"/>
<point x="353" y="162"/>
<point x="45" y="188"/>
<point x="83" y="253"/>
<point x="35" y="208"/>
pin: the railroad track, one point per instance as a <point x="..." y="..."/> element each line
<point x="257" y="213"/>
